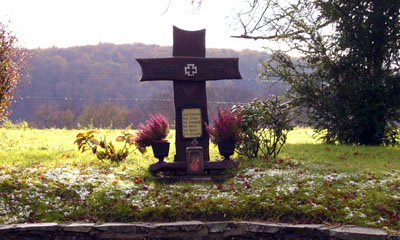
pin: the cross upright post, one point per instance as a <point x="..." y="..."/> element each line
<point x="189" y="44"/>
<point x="189" y="70"/>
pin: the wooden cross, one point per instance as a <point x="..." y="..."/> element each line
<point x="189" y="70"/>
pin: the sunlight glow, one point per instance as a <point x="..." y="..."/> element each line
<point x="47" y="23"/>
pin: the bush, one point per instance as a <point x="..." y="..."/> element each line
<point x="265" y="127"/>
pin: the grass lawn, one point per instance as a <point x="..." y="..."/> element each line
<point x="43" y="178"/>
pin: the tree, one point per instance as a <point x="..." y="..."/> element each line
<point x="41" y="115"/>
<point x="104" y="115"/>
<point x="347" y="73"/>
<point x="62" y="119"/>
<point x="11" y="65"/>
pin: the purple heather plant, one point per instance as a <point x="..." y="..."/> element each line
<point x="226" y="127"/>
<point x="155" y="130"/>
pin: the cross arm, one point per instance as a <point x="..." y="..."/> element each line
<point x="189" y="68"/>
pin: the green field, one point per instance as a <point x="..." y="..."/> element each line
<point x="43" y="178"/>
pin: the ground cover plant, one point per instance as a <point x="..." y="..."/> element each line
<point x="44" y="178"/>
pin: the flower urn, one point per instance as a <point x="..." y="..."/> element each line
<point x="226" y="148"/>
<point x="160" y="150"/>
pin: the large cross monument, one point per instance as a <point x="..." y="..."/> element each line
<point x="189" y="70"/>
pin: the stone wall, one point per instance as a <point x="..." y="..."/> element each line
<point x="188" y="230"/>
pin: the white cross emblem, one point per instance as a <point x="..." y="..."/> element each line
<point x="190" y="70"/>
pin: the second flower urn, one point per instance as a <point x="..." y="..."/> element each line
<point x="226" y="148"/>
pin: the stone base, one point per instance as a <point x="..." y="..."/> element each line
<point x="192" y="179"/>
<point x="189" y="230"/>
<point x="174" y="169"/>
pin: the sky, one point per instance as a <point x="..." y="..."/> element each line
<point x="65" y="23"/>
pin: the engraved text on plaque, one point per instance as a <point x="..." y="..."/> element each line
<point x="191" y="123"/>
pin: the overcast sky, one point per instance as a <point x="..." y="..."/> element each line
<point x="65" y="23"/>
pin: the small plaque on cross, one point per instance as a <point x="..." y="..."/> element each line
<point x="191" y="123"/>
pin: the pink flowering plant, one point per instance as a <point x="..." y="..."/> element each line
<point x="226" y="127"/>
<point x="155" y="130"/>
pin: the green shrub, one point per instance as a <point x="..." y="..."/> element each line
<point x="104" y="149"/>
<point x="265" y="126"/>
<point x="8" y="124"/>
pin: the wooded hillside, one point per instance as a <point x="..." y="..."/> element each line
<point x="99" y="85"/>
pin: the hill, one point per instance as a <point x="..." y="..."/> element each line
<point x="82" y="84"/>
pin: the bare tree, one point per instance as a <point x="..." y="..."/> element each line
<point x="346" y="70"/>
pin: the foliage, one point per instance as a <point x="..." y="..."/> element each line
<point x="103" y="149"/>
<point x="265" y="127"/>
<point x="365" y="76"/>
<point x="346" y="76"/>
<point x="155" y="130"/>
<point x="12" y="59"/>
<point x="227" y="127"/>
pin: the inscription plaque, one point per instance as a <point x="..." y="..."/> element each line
<point x="191" y="123"/>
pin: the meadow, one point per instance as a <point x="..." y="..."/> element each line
<point x="44" y="178"/>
